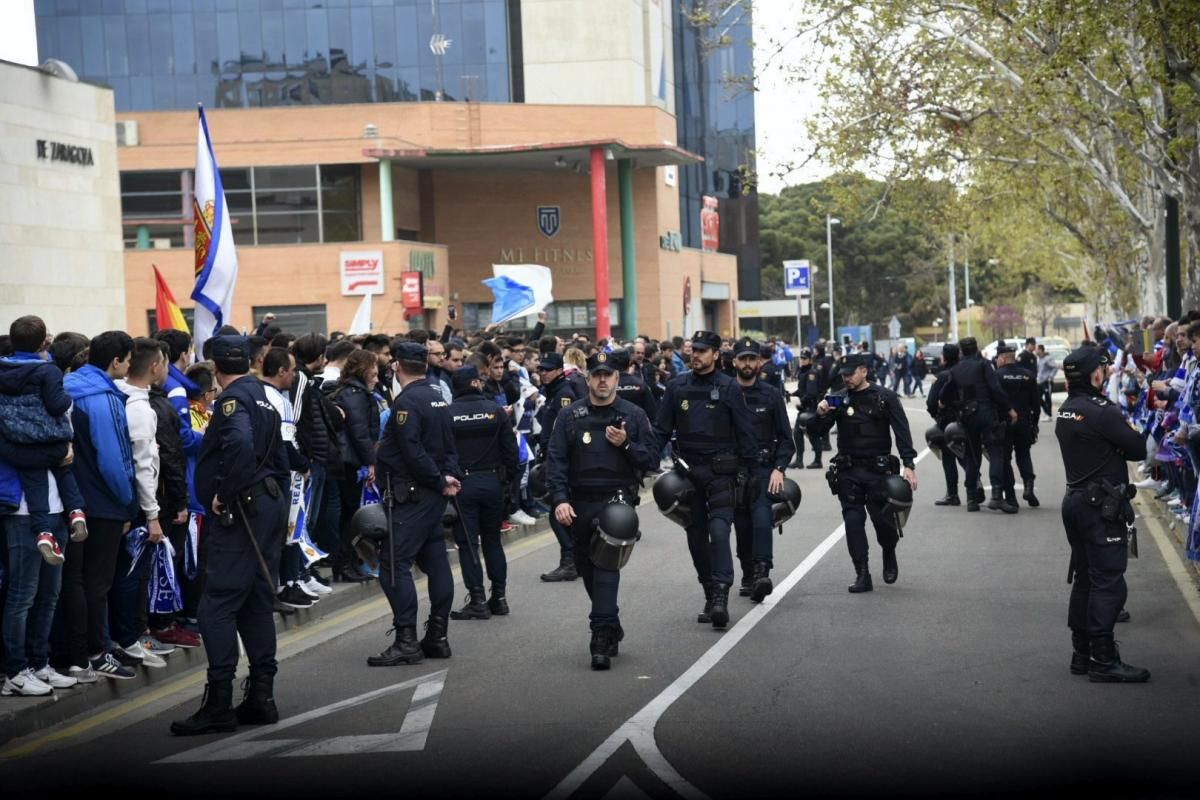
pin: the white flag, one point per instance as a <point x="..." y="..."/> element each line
<point x="216" y="261"/>
<point x="362" y="317"/>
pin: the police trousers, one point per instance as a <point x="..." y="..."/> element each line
<point x="416" y="537"/>
<point x="752" y="521"/>
<point x="1018" y="439"/>
<point x="982" y="438"/>
<point x="601" y="584"/>
<point x="482" y="510"/>
<point x="712" y="517"/>
<point x="237" y="597"/>
<point x="860" y="493"/>
<point x="1099" y="555"/>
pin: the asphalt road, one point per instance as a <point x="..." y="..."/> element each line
<point x="952" y="681"/>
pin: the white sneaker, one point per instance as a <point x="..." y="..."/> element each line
<point x="55" y="679"/>
<point x="152" y="645"/>
<point x="316" y="588"/>
<point x="303" y="586"/>
<point x="83" y="674"/>
<point x="25" y="684"/>
<point x="1149" y="483"/>
<point x="152" y="660"/>
<point x="1141" y="469"/>
<point x="519" y="517"/>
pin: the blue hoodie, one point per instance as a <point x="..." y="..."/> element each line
<point x="103" y="465"/>
<point x="178" y="386"/>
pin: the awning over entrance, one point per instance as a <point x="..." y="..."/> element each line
<point x="547" y="155"/>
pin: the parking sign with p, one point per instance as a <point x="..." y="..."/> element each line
<point x="797" y="278"/>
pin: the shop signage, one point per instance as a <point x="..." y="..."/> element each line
<point x="671" y="240"/>
<point x="68" y="153"/>
<point x="546" y="255"/>
<point x="362" y="272"/>
<point x="548" y="220"/>
<point x="411" y="291"/>
<point x="710" y="224"/>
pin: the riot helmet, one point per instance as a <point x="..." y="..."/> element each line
<point x="935" y="438"/>
<point x="673" y="494"/>
<point x="956" y="439"/>
<point x="898" y="498"/>
<point x="614" y="533"/>
<point x="784" y="503"/>
<point x="369" y="522"/>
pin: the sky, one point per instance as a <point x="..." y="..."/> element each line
<point x="18" y="34"/>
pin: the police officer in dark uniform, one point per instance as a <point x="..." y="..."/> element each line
<point x="418" y="469"/>
<point x="753" y="516"/>
<point x="241" y="474"/>
<point x="1023" y="397"/>
<point x="943" y="405"/>
<point x="1096" y="442"/>
<point x="560" y="393"/>
<point x="715" y="437"/>
<point x="984" y="405"/>
<point x="599" y="451"/>
<point x="864" y="415"/>
<point x="487" y="455"/>
<point x="770" y="372"/>
<point x="810" y="389"/>
<point x="633" y="387"/>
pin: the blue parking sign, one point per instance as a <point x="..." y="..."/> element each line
<point x="797" y="277"/>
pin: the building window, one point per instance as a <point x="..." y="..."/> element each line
<point x="152" y="209"/>
<point x="296" y="319"/>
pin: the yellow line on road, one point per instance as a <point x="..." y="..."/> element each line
<point x="1175" y="564"/>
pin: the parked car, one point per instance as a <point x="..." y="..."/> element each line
<point x="931" y="352"/>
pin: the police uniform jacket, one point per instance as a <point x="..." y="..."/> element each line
<point x="866" y="420"/>
<point x="812" y="387"/>
<point x="581" y="459"/>
<point x="483" y="435"/>
<point x="418" y="445"/>
<point x="708" y="414"/>
<point x="1021" y="387"/>
<point x="772" y="431"/>
<point x="242" y="446"/>
<point x="1095" y="439"/>
<point x="977" y="382"/>
<point x="1027" y="361"/>
<point x="631" y="387"/>
<point x="559" y="393"/>
<point x="942" y="402"/>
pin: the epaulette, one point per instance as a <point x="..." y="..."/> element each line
<point x="580" y="411"/>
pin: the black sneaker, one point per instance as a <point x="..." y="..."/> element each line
<point x="109" y="667"/>
<point x="293" y="597"/>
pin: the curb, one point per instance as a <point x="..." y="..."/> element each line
<point x="21" y="716"/>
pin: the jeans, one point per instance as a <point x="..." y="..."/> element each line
<point x="33" y="587"/>
<point x="36" y="486"/>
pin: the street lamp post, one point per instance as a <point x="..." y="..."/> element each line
<point x="829" y="223"/>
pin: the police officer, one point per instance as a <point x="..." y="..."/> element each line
<point x="487" y="455"/>
<point x="753" y="516"/>
<point x="857" y="474"/>
<point x="984" y="405"/>
<point x="1096" y="442"/>
<point x="559" y="393"/>
<point x="600" y="449"/>
<point x="770" y="372"/>
<point x="943" y="405"/>
<point x="241" y="474"/>
<point x="714" y="436"/>
<point x="810" y="389"/>
<point x="1021" y="387"/>
<point x="418" y="469"/>
<point x="633" y="387"/>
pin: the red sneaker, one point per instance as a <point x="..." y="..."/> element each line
<point x="507" y="527"/>
<point x="78" y="521"/>
<point x="177" y="635"/>
<point x="47" y="545"/>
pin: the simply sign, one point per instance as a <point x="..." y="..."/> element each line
<point x="362" y="272"/>
<point x="797" y="278"/>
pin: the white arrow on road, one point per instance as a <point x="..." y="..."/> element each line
<point x="253" y="743"/>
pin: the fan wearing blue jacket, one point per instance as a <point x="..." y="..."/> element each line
<point x="179" y="387"/>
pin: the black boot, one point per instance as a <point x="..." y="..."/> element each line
<point x="1123" y="616"/>
<point x="862" y="580"/>
<point x="435" y="644"/>
<point x="404" y="650"/>
<point x="1080" y="653"/>
<point x="951" y="499"/>
<point x="476" y="606"/>
<point x="258" y="701"/>
<point x="215" y="714"/>
<point x="891" y="569"/>
<point x="1028" y="494"/>
<point x="1106" y="666"/>
<point x="705" y="616"/>
<point x="604" y="642"/>
<point x="1000" y="503"/>
<point x="747" y="579"/>
<point x="816" y="462"/>
<point x="565" y="571"/>
<point x="974" y="499"/>
<point x="720" y="605"/>
<point x="346" y="572"/>
<point x="496" y="603"/>
<point x="1010" y="496"/>
<point x="762" y="585"/>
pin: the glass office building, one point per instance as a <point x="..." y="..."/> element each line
<point x="168" y="54"/>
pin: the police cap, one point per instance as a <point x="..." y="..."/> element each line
<point x="806" y="354"/>
<point x="747" y="347"/>
<point x="462" y="377"/>
<point x="1004" y="347"/>
<point x="414" y="352"/>
<point x="601" y="362"/>
<point x="950" y="352"/>
<point x="1082" y="362"/>
<point x="231" y="354"/>
<point x="551" y="361"/>
<point x="847" y="364"/>
<point x="706" y="340"/>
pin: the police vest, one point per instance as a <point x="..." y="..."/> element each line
<point x="595" y="464"/>
<point x="758" y="399"/>
<point x="476" y="423"/>
<point x="631" y="389"/>
<point x="1017" y="382"/>
<point x="970" y="376"/>
<point x="702" y="421"/>
<point x="863" y="427"/>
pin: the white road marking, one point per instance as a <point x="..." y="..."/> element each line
<point x="411" y="736"/>
<point x="626" y="789"/>
<point x="638" y="730"/>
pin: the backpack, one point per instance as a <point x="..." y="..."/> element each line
<point x="25" y="420"/>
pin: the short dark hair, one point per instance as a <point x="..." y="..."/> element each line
<point x="454" y="345"/>
<point x="283" y="340"/>
<point x="339" y="350"/>
<point x="177" y="342"/>
<point x="489" y="350"/>
<point x="228" y="330"/>
<point x="276" y="359"/>
<point x="357" y="365"/>
<point x="418" y="335"/>
<point x="1193" y="330"/>
<point x="413" y="368"/>
<point x="255" y="347"/>
<point x="146" y="352"/>
<point x="108" y="347"/>
<point x="271" y="331"/>
<point x="376" y="342"/>
<point x="1030" y="340"/>
<point x="547" y="344"/>
<point x="309" y="348"/>
<point x="28" y="333"/>
<point x="6" y="346"/>
<point x="201" y="374"/>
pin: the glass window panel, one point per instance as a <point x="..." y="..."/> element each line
<point x="228" y="44"/>
<point x="160" y="36"/>
<point x="137" y="43"/>
<point x="238" y="202"/>
<point x="183" y="38"/>
<point x="497" y="83"/>
<point x="408" y="49"/>
<point x="338" y="41"/>
<point x="233" y="180"/>
<point x="317" y="32"/>
<point x="408" y="88"/>
<point x="287" y="228"/>
<point x="243" y="230"/>
<point x="362" y="39"/>
<point x="115" y="49"/>
<point x="141" y="94"/>
<point x="112" y="7"/>
<point x="250" y="33"/>
<point x="227" y="5"/>
<point x="472" y="82"/>
<point x="271" y="5"/>
<point x="285" y="178"/>
<point x="200" y="6"/>
<point x="339" y="188"/>
<point x="272" y="36"/>
<point x="285" y="200"/>
<point x="135" y="6"/>
<point x="300" y="319"/>
<point x="157" y="236"/>
<point x="163" y="89"/>
<point x="151" y="205"/>
<point x="450" y="25"/>
<point x="294" y="37"/>
<point x="157" y="181"/>
<point x="93" y="46"/>
<point x="121" y="94"/>
<point x="474" y="40"/>
<point x="158" y="6"/>
<point x="341" y="227"/>
<point x="206" y="47"/>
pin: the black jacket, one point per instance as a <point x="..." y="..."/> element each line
<point x="357" y="441"/>
<point x="172" y="470"/>
<point x="314" y="430"/>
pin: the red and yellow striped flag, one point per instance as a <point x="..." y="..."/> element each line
<point x="167" y="312"/>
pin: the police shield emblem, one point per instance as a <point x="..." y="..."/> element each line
<point x="401" y="417"/>
<point x="228" y="407"/>
<point x="683" y="406"/>
<point x="566" y="401"/>
<point x="587" y="437"/>
<point x="548" y="220"/>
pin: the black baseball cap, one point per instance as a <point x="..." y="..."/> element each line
<point x="706" y="340"/>
<point x="231" y="354"/>
<point x="601" y="362"/>
<point x="1082" y="362"/>
<point x="551" y="361"/>
<point x="847" y="364"/>
<point x="1005" y="347"/>
<point x="414" y="352"/>
<point x="747" y="347"/>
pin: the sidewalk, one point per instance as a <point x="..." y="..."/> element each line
<point x="21" y="716"/>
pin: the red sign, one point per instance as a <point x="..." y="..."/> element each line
<point x="710" y="224"/>
<point x="412" y="295"/>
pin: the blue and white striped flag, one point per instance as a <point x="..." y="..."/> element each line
<point x="519" y="290"/>
<point x="216" y="261"/>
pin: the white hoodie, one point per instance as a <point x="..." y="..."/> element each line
<point x="143" y="432"/>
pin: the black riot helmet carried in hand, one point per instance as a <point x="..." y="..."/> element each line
<point x="614" y="533"/>
<point x="450" y="516"/>
<point x="673" y="494"/>
<point x="898" y="498"/>
<point x="804" y="419"/>
<point x="956" y="439"/>
<point x="537" y="482"/>
<point x="935" y="438"/>
<point x="369" y="522"/>
<point x="785" y="504"/>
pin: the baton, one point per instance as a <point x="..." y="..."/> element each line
<point x="387" y="510"/>
<point x="262" y="562"/>
<point x="466" y="533"/>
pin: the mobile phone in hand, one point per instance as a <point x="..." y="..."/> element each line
<point x="452" y="312"/>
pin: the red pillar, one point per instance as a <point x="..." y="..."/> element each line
<point x="600" y="243"/>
